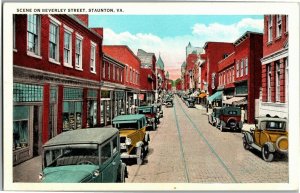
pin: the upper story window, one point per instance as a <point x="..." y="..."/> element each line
<point x="108" y="70"/>
<point x="279" y="26"/>
<point x="118" y="74"/>
<point x="286" y="80"/>
<point x="93" y="57"/>
<point x="53" y="42"/>
<point x="121" y="75"/>
<point x="277" y="81"/>
<point x="33" y="34"/>
<point x="237" y="69"/>
<point x="232" y="74"/>
<point x="130" y="75"/>
<point x="242" y="68"/>
<point x="246" y="66"/>
<point x="103" y="69"/>
<point x="67" y="46"/>
<point x="78" y="52"/>
<point x="114" y="69"/>
<point x="270" y="25"/>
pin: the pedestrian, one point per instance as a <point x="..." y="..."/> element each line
<point x="242" y="114"/>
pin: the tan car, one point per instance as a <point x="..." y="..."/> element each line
<point x="134" y="139"/>
<point x="270" y="136"/>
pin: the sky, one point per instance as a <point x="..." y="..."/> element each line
<point x="168" y="35"/>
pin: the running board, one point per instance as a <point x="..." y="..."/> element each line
<point x="255" y="146"/>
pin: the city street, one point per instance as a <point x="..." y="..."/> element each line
<point x="186" y="148"/>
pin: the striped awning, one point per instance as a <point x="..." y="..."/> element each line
<point x="234" y="100"/>
<point x="202" y="95"/>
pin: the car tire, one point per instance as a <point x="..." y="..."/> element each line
<point x="154" y="126"/>
<point x="266" y="154"/>
<point x="122" y="173"/>
<point x="245" y="144"/>
<point x="140" y="154"/>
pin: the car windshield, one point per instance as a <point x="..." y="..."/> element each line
<point x="124" y="126"/>
<point x="67" y="155"/>
<point x="273" y="125"/>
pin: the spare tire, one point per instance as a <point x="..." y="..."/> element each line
<point x="281" y="143"/>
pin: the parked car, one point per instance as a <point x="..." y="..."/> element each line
<point x="190" y="102"/>
<point x="134" y="139"/>
<point x="269" y="136"/>
<point x="83" y="155"/>
<point x="226" y="118"/>
<point x="169" y="101"/>
<point x="159" y="110"/>
<point x="152" y="115"/>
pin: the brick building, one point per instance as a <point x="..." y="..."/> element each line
<point x="56" y="74"/>
<point x="214" y="52"/>
<point x="124" y="54"/>
<point x="147" y="78"/>
<point x="274" y="96"/>
<point x="191" y="66"/>
<point x="161" y="78"/>
<point x="113" y="89"/>
<point x="237" y="74"/>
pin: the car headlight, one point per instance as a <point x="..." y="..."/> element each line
<point x="96" y="173"/>
<point x="128" y="141"/>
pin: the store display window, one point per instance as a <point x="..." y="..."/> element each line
<point x="20" y="127"/>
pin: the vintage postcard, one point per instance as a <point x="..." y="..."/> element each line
<point x="151" y="96"/>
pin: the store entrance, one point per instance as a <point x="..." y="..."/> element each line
<point x="37" y="130"/>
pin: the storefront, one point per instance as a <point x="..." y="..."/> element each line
<point x="27" y="121"/>
<point x="119" y="102"/>
<point x="106" y="104"/>
<point x="92" y="107"/>
<point x="72" y="108"/>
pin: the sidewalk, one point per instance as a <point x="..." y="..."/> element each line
<point x="28" y="171"/>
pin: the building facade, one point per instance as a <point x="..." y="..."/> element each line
<point x="56" y="74"/>
<point x="124" y="54"/>
<point x="148" y="77"/>
<point x="238" y="74"/>
<point x="275" y="67"/>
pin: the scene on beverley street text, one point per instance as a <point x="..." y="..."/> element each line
<point x="98" y="101"/>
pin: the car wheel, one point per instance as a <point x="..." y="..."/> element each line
<point x="266" y="154"/>
<point x="245" y="144"/>
<point x="140" y="154"/>
<point x="153" y="126"/>
<point x="122" y="173"/>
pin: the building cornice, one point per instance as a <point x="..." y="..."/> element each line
<point x="275" y="56"/>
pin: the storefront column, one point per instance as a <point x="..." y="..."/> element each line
<point x="60" y="96"/>
<point x="84" y="108"/>
<point x="99" y="107"/>
<point x="45" y="118"/>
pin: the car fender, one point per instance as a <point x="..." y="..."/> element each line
<point x="139" y="144"/>
<point x="248" y="137"/>
<point x="277" y="144"/>
<point x="270" y="146"/>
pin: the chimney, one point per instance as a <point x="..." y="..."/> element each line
<point x="98" y="30"/>
<point x="84" y="18"/>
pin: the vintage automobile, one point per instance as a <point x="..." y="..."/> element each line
<point x="190" y="102"/>
<point x="134" y="139"/>
<point x="152" y="115"/>
<point x="159" y="110"/>
<point x="83" y="155"/>
<point x="269" y="136"/>
<point x="169" y="102"/>
<point x="226" y="118"/>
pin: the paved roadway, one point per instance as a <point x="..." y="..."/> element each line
<point x="186" y="148"/>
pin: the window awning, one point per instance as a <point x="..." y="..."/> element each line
<point x="234" y="100"/>
<point x="202" y="95"/>
<point x="216" y="96"/>
<point x="241" y="102"/>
